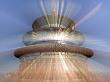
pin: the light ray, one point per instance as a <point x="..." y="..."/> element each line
<point x="91" y="13"/>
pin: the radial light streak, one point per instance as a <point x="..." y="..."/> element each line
<point x="45" y="12"/>
<point x="27" y="68"/>
<point x="91" y="13"/>
<point x="64" y="65"/>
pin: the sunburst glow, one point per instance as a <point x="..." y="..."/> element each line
<point x="77" y="10"/>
